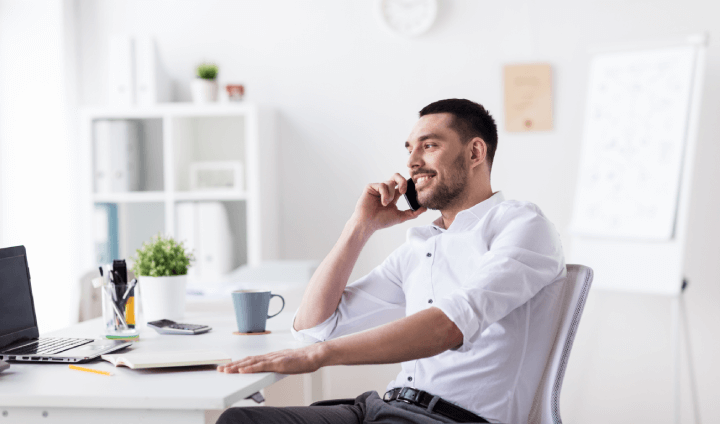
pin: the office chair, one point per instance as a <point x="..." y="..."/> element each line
<point x="546" y="404"/>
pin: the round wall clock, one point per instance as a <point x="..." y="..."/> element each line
<point x="407" y="17"/>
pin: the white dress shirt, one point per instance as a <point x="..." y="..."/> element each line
<point x="497" y="274"/>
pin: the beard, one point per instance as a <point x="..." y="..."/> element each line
<point x="450" y="191"/>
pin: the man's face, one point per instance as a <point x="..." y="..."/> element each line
<point x="438" y="161"/>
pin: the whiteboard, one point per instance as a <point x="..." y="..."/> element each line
<point x="633" y="193"/>
<point x="635" y="129"/>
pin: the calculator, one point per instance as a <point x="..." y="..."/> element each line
<point x="165" y="326"/>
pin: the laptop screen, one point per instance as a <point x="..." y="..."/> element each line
<point x="16" y="304"/>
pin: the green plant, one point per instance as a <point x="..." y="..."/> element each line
<point x="162" y="257"/>
<point x="207" y="71"/>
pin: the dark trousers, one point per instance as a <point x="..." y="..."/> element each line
<point x="367" y="408"/>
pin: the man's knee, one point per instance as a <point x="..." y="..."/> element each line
<point x="234" y="416"/>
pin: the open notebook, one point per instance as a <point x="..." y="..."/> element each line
<point x="138" y="359"/>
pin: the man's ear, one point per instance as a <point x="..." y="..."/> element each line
<point x="478" y="151"/>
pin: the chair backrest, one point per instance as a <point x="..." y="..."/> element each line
<point x="546" y="405"/>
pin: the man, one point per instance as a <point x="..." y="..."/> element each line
<point x="478" y="288"/>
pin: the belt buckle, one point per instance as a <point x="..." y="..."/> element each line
<point x="410" y="399"/>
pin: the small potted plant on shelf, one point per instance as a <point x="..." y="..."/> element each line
<point x="204" y="88"/>
<point x="161" y="266"/>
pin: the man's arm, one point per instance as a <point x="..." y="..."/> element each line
<point x="376" y="209"/>
<point x="421" y="335"/>
<point x="326" y="286"/>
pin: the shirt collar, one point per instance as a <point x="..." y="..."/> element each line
<point x="470" y="216"/>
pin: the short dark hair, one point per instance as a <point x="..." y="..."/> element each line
<point x="470" y="120"/>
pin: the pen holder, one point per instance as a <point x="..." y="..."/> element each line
<point x="119" y="309"/>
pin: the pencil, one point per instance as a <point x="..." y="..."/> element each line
<point x="75" y="367"/>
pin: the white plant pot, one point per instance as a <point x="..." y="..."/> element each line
<point x="163" y="297"/>
<point x="204" y="91"/>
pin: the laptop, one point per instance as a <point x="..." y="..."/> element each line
<point x="19" y="335"/>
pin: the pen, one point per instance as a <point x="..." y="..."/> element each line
<point x="130" y="287"/>
<point x="75" y="367"/>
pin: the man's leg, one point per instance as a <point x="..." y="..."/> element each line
<point x="337" y="414"/>
<point x="369" y="408"/>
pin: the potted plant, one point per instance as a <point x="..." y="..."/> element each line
<point x="204" y="88"/>
<point x="161" y="267"/>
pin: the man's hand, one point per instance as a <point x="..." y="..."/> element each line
<point x="290" y="361"/>
<point x="377" y="207"/>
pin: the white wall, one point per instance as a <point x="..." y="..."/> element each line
<point x="36" y="151"/>
<point x="347" y="93"/>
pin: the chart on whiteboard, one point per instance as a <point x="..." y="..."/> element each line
<point x="635" y="128"/>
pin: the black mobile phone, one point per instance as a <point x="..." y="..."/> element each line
<point x="411" y="195"/>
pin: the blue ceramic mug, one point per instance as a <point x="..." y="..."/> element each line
<point x="251" y="309"/>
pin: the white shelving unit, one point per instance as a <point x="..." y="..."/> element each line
<point x="172" y="136"/>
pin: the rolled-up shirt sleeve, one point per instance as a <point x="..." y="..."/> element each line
<point x="524" y="256"/>
<point x="373" y="300"/>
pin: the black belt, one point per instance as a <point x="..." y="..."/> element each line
<point x="442" y="407"/>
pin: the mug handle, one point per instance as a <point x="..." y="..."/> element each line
<point x="283" y="306"/>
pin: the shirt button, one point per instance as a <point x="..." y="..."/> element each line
<point x="428" y="255"/>
<point x="430" y="301"/>
<point x="409" y="378"/>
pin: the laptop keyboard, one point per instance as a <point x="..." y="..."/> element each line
<point x="48" y="346"/>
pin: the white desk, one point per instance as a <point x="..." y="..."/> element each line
<point x="52" y="393"/>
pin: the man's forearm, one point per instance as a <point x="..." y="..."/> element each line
<point x="326" y="286"/>
<point x="424" y="334"/>
<point x="421" y="335"/>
